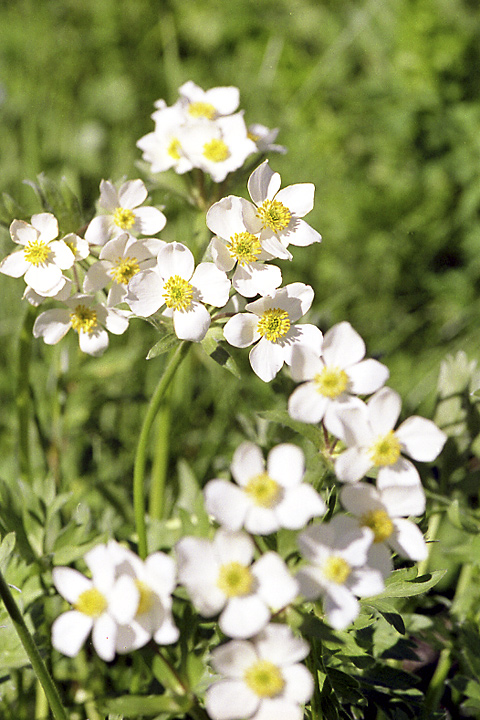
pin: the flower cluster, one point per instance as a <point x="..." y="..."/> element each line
<point x="204" y="130"/>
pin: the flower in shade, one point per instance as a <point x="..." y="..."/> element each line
<point x="91" y="606"/>
<point x="232" y="220"/>
<point x="270" y="324"/>
<point x="141" y="602"/>
<point x="339" y="568"/>
<point x="220" y="578"/>
<point x="184" y="289"/>
<point x="261" y="678"/>
<point x="279" y="212"/>
<point x="265" y="499"/>
<point x="90" y="319"/>
<point x="332" y="377"/>
<point x="119" y="260"/>
<point x="368" y="432"/>
<point x="42" y="259"/>
<point x="123" y="213"/>
<point x="264" y="138"/>
<point x="385" y="512"/>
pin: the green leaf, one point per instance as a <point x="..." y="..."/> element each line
<point x="310" y="432"/>
<point x="166" y="343"/>
<point x="219" y="353"/>
<point x="6" y="549"/>
<point x="145" y="706"/>
<point x="397" y="586"/>
<point x="461" y="518"/>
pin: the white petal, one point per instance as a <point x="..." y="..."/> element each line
<point x="263" y="183"/>
<point x="97" y="277"/>
<point x="277" y="587"/>
<point x="304" y="335"/>
<point x="247" y="462"/>
<point x="241" y="330"/>
<point x="104" y="637"/>
<point x="352" y="464"/>
<point x="230" y="700"/>
<point x="266" y="359"/>
<point x="278" y="644"/>
<point x="402" y="473"/>
<point x="43" y="278"/>
<point x="225" y="218"/>
<point x="212" y="284"/>
<point x="22" y="233"/>
<point x="124" y="599"/>
<point x="421" y="438"/>
<point x="305" y="363"/>
<point x="383" y="410"/>
<point x="233" y="547"/>
<point x="297" y="198"/>
<point x="221" y="257"/>
<point x="176" y="259"/>
<point x="94" y="343"/>
<point x="367" y="376"/>
<point x="402" y="496"/>
<point x="279" y="709"/>
<point x="299" y="683"/>
<point x="227" y="503"/>
<point x="286" y="464"/>
<point x="256" y="279"/>
<point x="342" y="346"/>
<point x="306" y="404"/>
<point x="300" y="234"/>
<point x="62" y="255"/>
<point x="300" y="505"/>
<point x="361" y="498"/>
<point x="52" y="325"/>
<point x="151" y="220"/>
<point x="132" y="194"/>
<point x="244" y="616"/>
<point x="108" y="196"/>
<point x="47" y="226"/>
<point x="193" y="323"/>
<point x="341" y="607"/>
<point x="69" y="632"/>
<point x="261" y="520"/>
<point x="116" y="321"/>
<point x="408" y="541"/>
<point x="99" y="230"/>
<point x="145" y="293"/>
<point x="14" y="265"/>
<point x="233" y="658"/>
<point x="70" y="583"/>
<point x="366" y="582"/>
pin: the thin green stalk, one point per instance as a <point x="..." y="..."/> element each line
<point x="22" y="396"/>
<point x="31" y="649"/>
<point x="41" y="703"/>
<point x="141" y="454"/>
<point x="160" y="461"/>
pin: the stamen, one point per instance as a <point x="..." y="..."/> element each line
<point x="336" y="569"/>
<point x="274" y="324"/>
<point x="244" y="247"/>
<point x="83" y="319"/>
<point x="124" y="218"/>
<point x="178" y="293"/>
<point x="202" y="109"/>
<point x="379" y="521"/>
<point x="235" y="579"/>
<point x="331" y="382"/>
<point x="385" y="450"/>
<point x="91" y="602"/>
<point x="174" y="149"/>
<point x="274" y="215"/>
<point x="264" y="679"/>
<point x="216" y="150"/>
<point x="263" y="490"/>
<point x="146" y="597"/>
<point x="36" y="252"/>
<point x="124" y="269"/>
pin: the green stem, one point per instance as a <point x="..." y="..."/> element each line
<point x="22" y="395"/>
<point x="31" y="649"/>
<point x="141" y="454"/>
<point x="160" y="461"/>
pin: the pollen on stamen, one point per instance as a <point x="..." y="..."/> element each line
<point x="274" y="215"/>
<point x="124" y="218"/>
<point x="331" y="382"/>
<point x="174" y="149"/>
<point x="202" y="109"/>
<point x="263" y="490"/>
<point x="216" y="150"/>
<point x="177" y="293"/>
<point x="91" y="602"/>
<point x="83" y="319"/>
<point x="124" y="269"/>
<point x="336" y="569"/>
<point x="235" y="579"/>
<point x="146" y="597"/>
<point x="244" y="247"/>
<point x="385" y="450"/>
<point x="274" y="324"/>
<point x="264" y="678"/>
<point x="36" y="252"/>
<point x="379" y="521"/>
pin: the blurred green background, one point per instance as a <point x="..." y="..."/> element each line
<point x="378" y="104"/>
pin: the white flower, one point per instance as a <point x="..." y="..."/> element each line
<point x="148" y="586"/>
<point x="233" y="220"/>
<point x="279" y="212"/>
<point x="119" y="260"/>
<point x="220" y="578"/>
<point x="385" y="512"/>
<point x="42" y="258"/>
<point x="333" y="377"/>
<point x="183" y="289"/>
<point x="91" y="601"/>
<point x="123" y="213"/>
<point x="217" y="147"/>
<point x="270" y="321"/>
<point x="262" y="678"/>
<point x="162" y="148"/>
<point x="85" y="316"/>
<point x="338" y="553"/>
<point x="264" y="499"/>
<point x="367" y="431"/>
<point x="79" y="246"/>
<point x="264" y="139"/>
<point x="208" y="104"/>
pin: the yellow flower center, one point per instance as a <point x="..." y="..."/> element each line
<point x="274" y="215"/>
<point x="331" y="382"/>
<point x="202" y="109"/>
<point x="216" y="150"/>
<point x="36" y="252"/>
<point x="244" y="247"/>
<point x="385" y="450"/>
<point x="235" y="579"/>
<point x="263" y="490"/>
<point x="178" y="293"/>
<point x="264" y="679"/>
<point x="274" y="324"/>
<point x="124" y="218"/>
<point x="336" y="569"/>
<point x="379" y="521"/>
<point x="174" y="149"/>
<point x="253" y="136"/>
<point x="91" y="602"/>
<point x="124" y="269"/>
<point x="83" y="319"/>
<point x="146" y="597"/>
